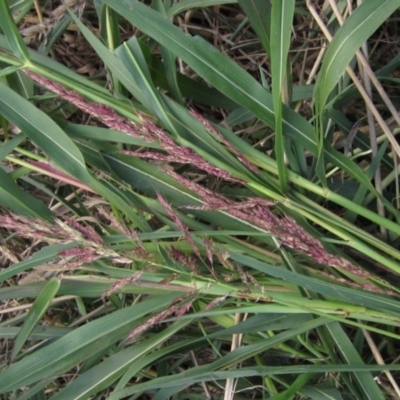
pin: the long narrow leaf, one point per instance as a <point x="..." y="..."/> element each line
<point x="366" y="381"/>
<point x="281" y="25"/>
<point x="340" y="293"/>
<point x="185" y="5"/>
<point x="11" y="31"/>
<point x="15" y="199"/>
<point x="43" y="131"/>
<point x="259" y="14"/>
<point x="105" y="373"/>
<point x="77" y="346"/>
<point x="35" y="314"/>
<point x="360" y="25"/>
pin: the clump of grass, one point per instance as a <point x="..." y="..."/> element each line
<point x="212" y="238"/>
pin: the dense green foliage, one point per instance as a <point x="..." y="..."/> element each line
<point x="207" y="208"/>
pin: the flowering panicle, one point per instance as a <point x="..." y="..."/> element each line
<point x="140" y="252"/>
<point x="285" y="229"/>
<point x="89" y="245"/>
<point x="87" y="231"/>
<point x="118" y="285"/>
<point x="147" y="130"/>
<point x="369" y="287"/>
<point x="208" y="245"/>
<point x="215" y="302"/>
<point x="189" y="262"/>
<point x="179" y="224"/>
<point x="104" y="113"/>
<point x="228" y="144"/>
<point x="77" y="257"/>
<point x="175" y="309"/>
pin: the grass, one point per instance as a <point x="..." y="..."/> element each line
<point x="199" y="200"/>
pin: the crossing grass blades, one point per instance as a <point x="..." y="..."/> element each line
<point x="199" y="200"/>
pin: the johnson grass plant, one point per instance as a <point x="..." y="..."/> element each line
<point x="199" y="199"/>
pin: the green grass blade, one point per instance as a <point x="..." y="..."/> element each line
<point x="131" y="55"/>
<point x="204" y="58"/>
<point x="44" y="255"/>
<point x="15" y="199"/>
<point x="135" y="369"/>
<point x="322" y="392"/>
<point x="360" y="25"/>
<point x="8" y="70"/>
<point x="185" y="5"/>
<point x="33" y="290"/>
<point x="360" y="195"/>
<point x="281" y="27"/>
<point x="341" y="293"/>
<point x="365" y="380"/>
<point x="196" y="375"/>
<point x="14" y="38"/>
<point x="232" y="358"/>
<point x="70" y="350"/>
<point x="259" y="14"/>
<point x="55" y="34"/>
<point x="16" y="6"/>
<point x="189" y="87"/>
<point x="104" y="374"/>
<point x="42" y="130"/>
<point x="55" y="71"/>
<point x="38" y="333"/>
<point x="110" y="28"/>
<point x="20" y="83"/>
<point x="169" y="61"/>
<point x="297" y="385"/>
<point x="115" y="65"/>
<point x="36" y="392"/>
<point x="35" y="314"/>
